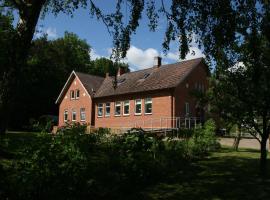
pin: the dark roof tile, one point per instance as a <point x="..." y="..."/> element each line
<point x="166" y="76"/>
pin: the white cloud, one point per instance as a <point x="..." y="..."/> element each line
<point x="141" y="58"/>
<point x="94" y="55"/>
<point x="50" y="32"/>
<point x="194" y="52"/>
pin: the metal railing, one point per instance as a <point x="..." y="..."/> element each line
<point x="166" y="123"/>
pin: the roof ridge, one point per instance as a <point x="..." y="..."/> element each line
<point x="183" y="61"/>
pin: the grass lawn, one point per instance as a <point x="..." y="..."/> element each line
<point x="225" y="174"/>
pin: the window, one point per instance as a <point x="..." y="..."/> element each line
<point x="117" y="108"/>
<point x="148" y="106"/>
<point x="77" y="94"/>
<point x="187" y="108"/>
<point x="145" y="76"/>
<point x="126" y="108"/>
<point x="65" y="116"/>
<point x="73" y="115"/>
<point x="138" y="106"/>
<point x="82" y="112"/>
<point x="100" y="110"/>
<point x="72" y="94"/>
<point x="108" y="109"/>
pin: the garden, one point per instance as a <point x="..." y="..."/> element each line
<point x="135" y="165"/>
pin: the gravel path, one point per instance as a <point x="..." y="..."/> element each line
<point x="244" y="143"/>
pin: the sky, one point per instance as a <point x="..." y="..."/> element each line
<point x="145" y="45"/>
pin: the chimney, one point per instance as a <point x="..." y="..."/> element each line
<point x="107" y="75"/>
<point x="157" y="61"/>
<point x="121" y="70"/>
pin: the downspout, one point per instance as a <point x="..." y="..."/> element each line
<point x="172" y="108"/>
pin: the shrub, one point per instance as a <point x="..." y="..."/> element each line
<point x="75" y="165"/>
<point x="43" y="124"/>
<point x="203" y="141"/>
<point x="73" y="129"/>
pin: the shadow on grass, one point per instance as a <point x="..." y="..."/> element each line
<point x="223" y="175"/>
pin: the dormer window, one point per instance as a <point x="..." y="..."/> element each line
<point x="120" y="81"/>
<point x="72" y="94"/>
<point x="146" y="75"/>
<point x="77" y="94"/>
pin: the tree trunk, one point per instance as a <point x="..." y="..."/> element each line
<point x="263" y="159"/>
<point x="237" y="139"/>
<point x="29" y="13"/>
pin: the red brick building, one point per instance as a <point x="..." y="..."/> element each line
<point x="149" y="98"/>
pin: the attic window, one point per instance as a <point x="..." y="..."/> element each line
<point x="146" y="75"/>
<point x="120" y="81"/>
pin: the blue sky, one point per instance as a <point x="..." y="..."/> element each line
<point x="144" y="44"/>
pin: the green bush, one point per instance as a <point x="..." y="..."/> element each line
<point x="100" y="165"/>
<point x="44" y="123"/>
<point x="203" y="141"/>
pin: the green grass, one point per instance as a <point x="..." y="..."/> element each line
<point x="225" y="174"/>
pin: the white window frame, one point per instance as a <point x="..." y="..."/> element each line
<point x="140" y="103"/>
<point x="100" y="106"/>
<point x="74" y="112"/>
<point x="72" y="96"/>
<point x="187" y="109"/>
<point x="146" y="102"/>
<point x="76" y="94"/>
<point x="116" y="104"/>
<point x="107" y="105"/>
<point x="126" y="103"/>
<point x="82" y="112"/>
<point x="65" y="114"/>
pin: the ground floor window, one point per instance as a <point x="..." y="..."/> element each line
<point x="65" y="116"/>
<point x="73" y="115"/>
<point x="117" y="108"/>
<point x="148" y="106"/>
<point x="83" y="115"/>
<point x="138" y="106"/>
<point x="108" y="109"/>
<point x="126" y="108"/>
<point x="100" y="110"/>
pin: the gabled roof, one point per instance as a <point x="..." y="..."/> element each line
<point x="89" y="82"/>
<point x="155" y="78"/>
<point x="150" y="79"/>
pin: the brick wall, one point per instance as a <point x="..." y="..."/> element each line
<point x="161" y="108"/>
<point x="69" y="104"/>
<point x="183" y="93"/>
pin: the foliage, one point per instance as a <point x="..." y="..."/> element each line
<point x="74" y="165"/>
<point x="49" y="64"/>
<point x="204" y="140"/>
<point x="44" y="124"/>
<point x="101" y="66"/>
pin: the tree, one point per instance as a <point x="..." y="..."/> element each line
<point x="7" y="33"/>
<point x="242" y="92"/>
<point x="49" y="63"/>
<point x="101" y="66"/>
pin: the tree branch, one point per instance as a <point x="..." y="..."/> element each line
<point x="99" y="15"/>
